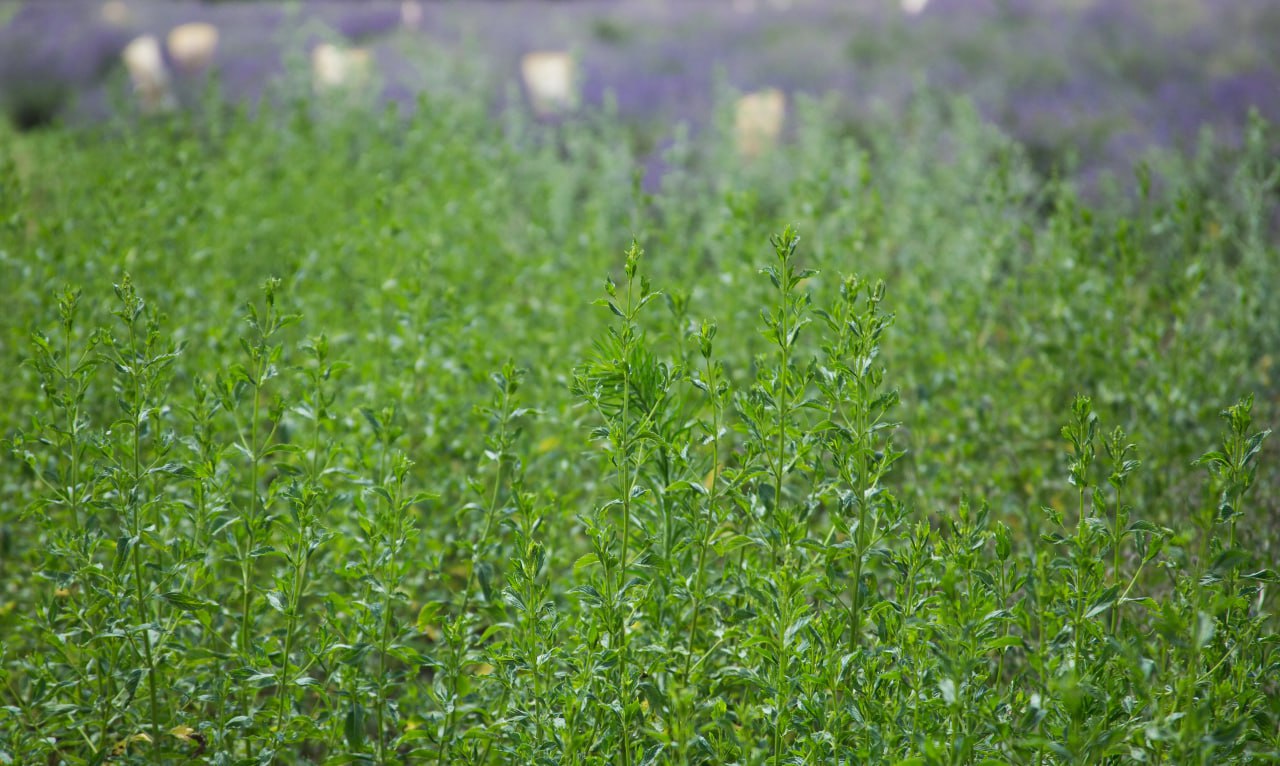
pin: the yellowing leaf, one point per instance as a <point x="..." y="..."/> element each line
<point x="710" y="480"/>
<point x="122" y="746"/>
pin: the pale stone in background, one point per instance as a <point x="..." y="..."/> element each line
<point x="757" y="121"/>
<point x="335" y="67"/>
<point x="411" y="13"/>
<point x="145" y="64"/>
<point x="191" y="46"/>
<point x="115" y="13"/>
<point x="549" y="81"/>
<point x="914" y="7"/>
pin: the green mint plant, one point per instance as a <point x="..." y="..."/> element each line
<point x="774" y="405"/>
<point x="59" y="452"/>
<point x="1081" y="431"/>
<point x="308" y="496"/>
<point x="1123" y="462"/>
<point x="1234" y="470"/>
<point x="779" y="444"/>
<point x="243" y="395"/>
<point x="483" y="555"/>
<point x="66" y="370"/>
<point x="394" y="530"/>
<point x="710" y="519"/>
<point x="1212" y="690"/>
<point x="619" y="385"/>
<point x="134" y="459"/>
<point x="857" y="437"/>
<point x="527" y="664"/>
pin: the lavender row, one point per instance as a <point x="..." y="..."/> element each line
<point x="1105" y="80"/>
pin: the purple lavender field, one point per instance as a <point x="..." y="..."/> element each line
<point x="1100" y="81"/>
<point x="1095" y="84"/>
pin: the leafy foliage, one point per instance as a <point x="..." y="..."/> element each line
<point x="326" y="456"/>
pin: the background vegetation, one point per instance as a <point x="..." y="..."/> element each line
<point x="1088" y="85"/>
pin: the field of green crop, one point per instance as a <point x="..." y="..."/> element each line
<point x="336" y="437"/>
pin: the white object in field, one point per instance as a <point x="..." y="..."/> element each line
<point x="411" y="13"/>
<point x="757" y="121"/>
<point x="548" y="79"/>
<point x="115" y="13"/>
<point x="191" y="46"/>
<point x="914" y="7"/>
<point x="336" y="67"/>
<point x="148" y="74"/>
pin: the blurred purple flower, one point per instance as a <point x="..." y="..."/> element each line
<point x="1100" y="78"/>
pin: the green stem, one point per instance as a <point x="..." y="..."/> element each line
<point x="782" y="418"/>
<point x="699" y="588"/>
<point x="860" y="545"/>
<point x="1079" y="578"/>
<point x="299" y="578"/>
<point x="1115" y="567"/>
<point x="246" y="557"/>
<point x="384" y="640"/>
<point x="73" y="431"/>
<point x="1231" y="544"/>
<point x="490" y="516"/>
<point x="136" y="501"/>
<point x="1004" y="597"/>
<point x="143" y="618"/>
<point x="780" y="668"/>
<point x="778" y="470"/>
<point x="626" y="482"/>
<point x="249" y="523"/>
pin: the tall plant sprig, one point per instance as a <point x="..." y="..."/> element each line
<point x="1081" y="431"/>
<point x="66" y="367"/>
<point x="383" y="516"/>
<point x="1233" y="469"/>
<point x="782" y="388"/>
<point x="504" y="415"/>
<point x="711" y="381"/>
<point x="857" y="434"/>
<point x="263" y="348"/>
<point x="307" y="497"/>
<point x="1122" y="456"/>
<point x="1234" y="465"/>
<point x="528" y="662"/>
<point x="610" y="385"/>
<point x="779" y="442"/>
<point x="141" y="361"/>
<point x="394" y="532"/>
<point x="1204" y="696"/>
<point x="207" y="508"/>
<point x="66" y="371"/>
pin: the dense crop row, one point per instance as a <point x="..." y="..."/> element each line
<point x="318" y="450"/>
